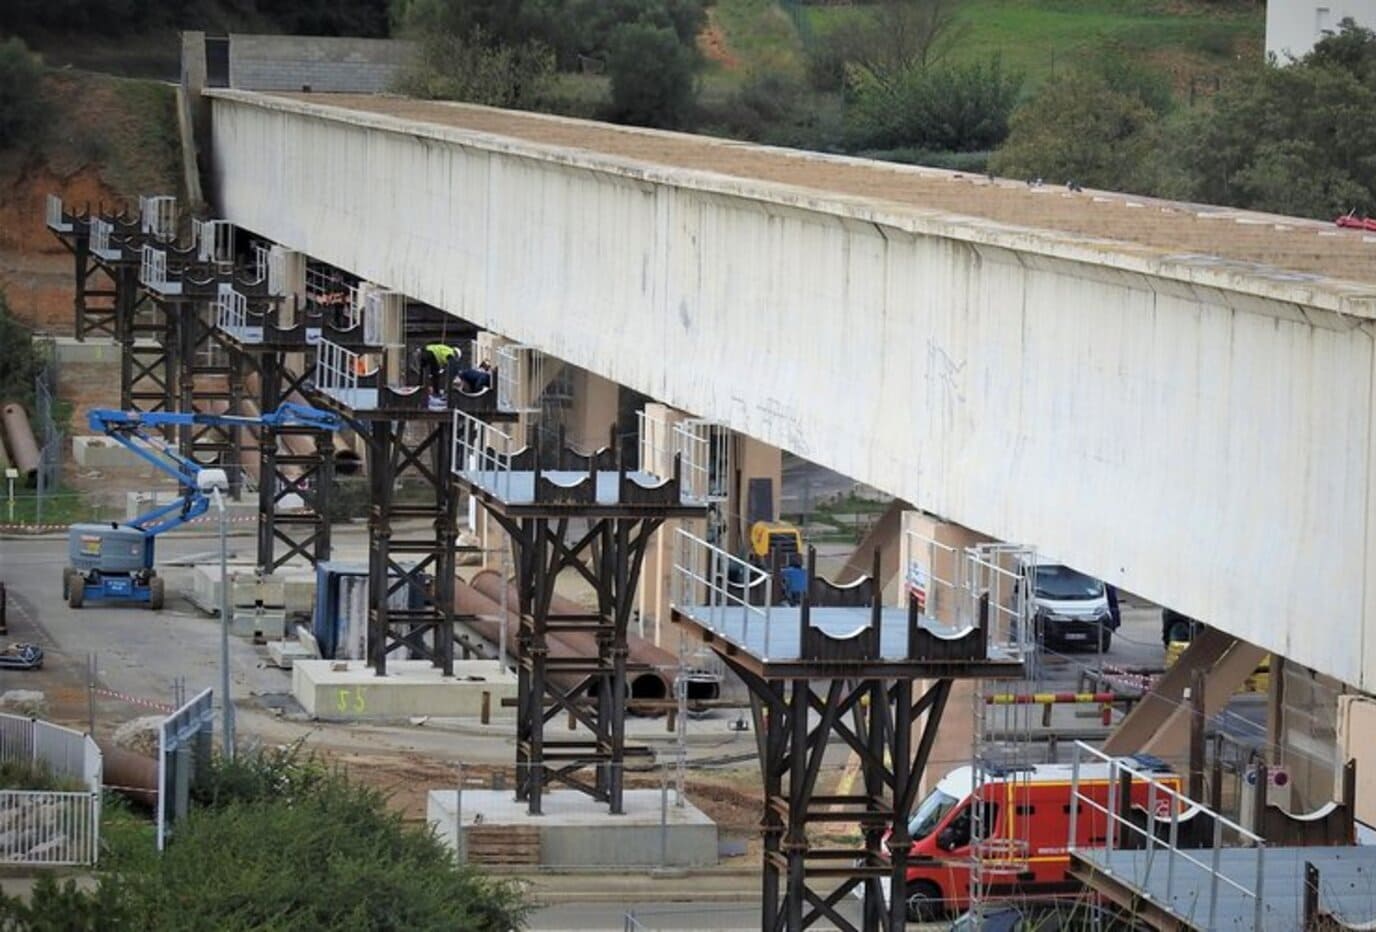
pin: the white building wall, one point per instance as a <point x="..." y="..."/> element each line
<point x="1208" y="449"/>
<point x="1293" y="26"/>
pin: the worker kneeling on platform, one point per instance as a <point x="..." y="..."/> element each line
<point x="439" y="364"/>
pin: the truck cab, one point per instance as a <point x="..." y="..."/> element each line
<point x="1024" y="831"/>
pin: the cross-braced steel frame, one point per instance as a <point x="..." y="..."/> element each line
<point x="608" y="552"/>
<point x="882" y="713"/>
<point x="417" y="566"/>
<point x="307" y="478"/>
<point x="94" y="295"/>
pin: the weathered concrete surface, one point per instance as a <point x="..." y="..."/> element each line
<point x="411" y="687"/>
<point x="1192" y="429"/>
<point x="322" y="63"/>
<point x="577" y="831"/>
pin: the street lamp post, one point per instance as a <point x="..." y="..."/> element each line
<point x="226" y="706"/>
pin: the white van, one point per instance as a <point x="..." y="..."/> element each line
<point x="1071" y="609"/>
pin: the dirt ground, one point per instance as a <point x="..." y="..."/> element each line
<point x="1143" y="224"/>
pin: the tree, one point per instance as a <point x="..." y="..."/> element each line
<point x="949" y="107"/>
<point x="20" y="362"/>
<point x="1081" y="128"/>
<point x="902" y="34"/>
<point x="236" y="863"/>
<point x="652" y="76"/>
<point x="469" y="68"/>
<point x="21" y="92"/>
<point x="1299" y="139"/>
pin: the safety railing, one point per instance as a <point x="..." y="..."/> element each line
<point x="214" y="241"/>
<point x="1166" y="812"/>
<point x="934" y="577"/>
<point x="158" y="217"/>
<point x="1001" y="572"/>
<point x="100" y="237"/>
<point x="50" y="826"/>
<point x="327" y="288"/>
<point x="520" y="378"/>
<point x="153" y="268"/>
<point x="482" y="453"/>
<point x="704" y="449"/>
<point x="336" y="368"/>
<point x="183" y="742"/>
<point x="729" y="594"/>
<point x="54" y="216"/>
<point x="231" y="309"/>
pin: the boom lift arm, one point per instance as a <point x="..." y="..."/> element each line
<point x="131" y="429"/>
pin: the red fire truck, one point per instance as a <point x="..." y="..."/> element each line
<point x="1025" y="830"/>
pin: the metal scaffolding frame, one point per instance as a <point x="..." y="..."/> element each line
<point x="563" y="520"/>
<point x="859" y="687"/>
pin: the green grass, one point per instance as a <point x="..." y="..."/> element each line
<point x="760" y="35"/>
<point x="22" y="775"/>
<point x="1038" y="38"/>
<point x="62" y="506"/>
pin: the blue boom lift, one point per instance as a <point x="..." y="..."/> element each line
<point x="114" y="561"/>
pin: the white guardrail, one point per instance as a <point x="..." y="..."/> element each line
<point x="50" y="827"/>
<point x="482" y="453"/>
<point x="720" y="589"/>
<point x="1165" y="811"/>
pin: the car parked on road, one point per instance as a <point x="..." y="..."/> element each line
<point x="1071" y="610"/>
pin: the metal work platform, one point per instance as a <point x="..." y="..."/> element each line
<point x="1178" y="864"/>
<point x="838" y="665"/>
<point x="594" y="515"/>
<point x="407" y="433"/>
<point x="270" y="340"/>
<point x="108" y="243"/>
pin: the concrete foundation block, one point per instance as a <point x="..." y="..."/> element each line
<point x="285" y="653"/>
<point x="577" y="831"/>
<point x="258" y="623"/>
<point x="298" y="594"/>
<point x="411" y="688"/>
<point x="103" y="453"/>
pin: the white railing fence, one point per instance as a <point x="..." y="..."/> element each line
<point x="52" y="212"/>
<point x="1165" y="808"/>
<point x="482" y="453"/>
<point x="158" y="217"/>
<point x="720" y="587"/>
<point x="231" y="308"/>
<point x="336" y="368"/>
<point x="704" y="448"/>
<point x="214" y="241"/>
<point x="520" y="378"/>
<point x="153" y="267"/>
<point x="100" y="236"/>
<point x="50" y="827"/>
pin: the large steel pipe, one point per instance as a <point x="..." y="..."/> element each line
<point x="128" y="773"/>
<point x="657" y="682"/>
<point x="23" y="446"/>
<point x="486" y="618"/>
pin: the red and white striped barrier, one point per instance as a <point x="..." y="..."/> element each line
<point x="44" y="528"/>
<point x="134" y="700"/>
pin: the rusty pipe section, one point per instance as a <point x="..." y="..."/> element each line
<point x="656" y="682"/>
<point x="130" y="774"/>
<point x="23" y="446"/>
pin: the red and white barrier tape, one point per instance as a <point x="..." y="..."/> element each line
<point x="133" y="700"/>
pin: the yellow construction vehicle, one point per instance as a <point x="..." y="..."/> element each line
<point x="770" y="537"/>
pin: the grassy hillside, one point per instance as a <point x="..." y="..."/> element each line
<point x="1184" y="37"/>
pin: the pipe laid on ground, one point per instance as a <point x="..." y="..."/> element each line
<point x="347" y="462"/>
<point x="485" y="617"/>
<point x="655" y="683"/>
<point x="130" y="774"/>
<point x="23" y="446"/>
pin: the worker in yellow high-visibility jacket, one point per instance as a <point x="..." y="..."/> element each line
<point x="439" y="362"/>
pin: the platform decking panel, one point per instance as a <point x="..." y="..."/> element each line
<point x="1347" y="886"/>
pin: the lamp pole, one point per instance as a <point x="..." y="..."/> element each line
<point x="226" y="706"/>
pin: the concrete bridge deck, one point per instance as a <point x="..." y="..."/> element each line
<point x="1180" y="400"/>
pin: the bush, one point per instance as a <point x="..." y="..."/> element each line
<point x="1079" y="128"/>
<point x="21" y="93"/>
<point x="471" y="69"/>
<point x="286" y="845"/>
<point x="20" y="361"/>
<point x="950" y="107"/>
<point x="828" y="57"/>
<point x="652" y="76"/>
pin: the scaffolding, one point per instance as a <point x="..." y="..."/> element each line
<point x="594" y="516"/>
<point x="839" y="666"/>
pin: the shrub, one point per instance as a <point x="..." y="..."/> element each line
<point x="21" y="92"/>
<point x="471" y="69"/>
<point x="652" y="76"/>
<point x="951" y="107"/>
